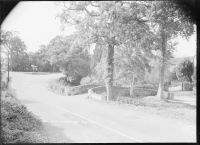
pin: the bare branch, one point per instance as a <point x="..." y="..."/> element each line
<point x="89" y="13"/>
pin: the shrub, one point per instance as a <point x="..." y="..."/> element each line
<point x="63" y="81"/>
<point x="185" y="71"/>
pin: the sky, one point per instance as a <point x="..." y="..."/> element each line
<point x="36" y="24"/>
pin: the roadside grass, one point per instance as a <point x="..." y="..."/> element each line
<point x="154" y="105"/>
<point x="18" y="124"/>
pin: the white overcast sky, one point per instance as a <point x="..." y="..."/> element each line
<point x="36" y="24"/>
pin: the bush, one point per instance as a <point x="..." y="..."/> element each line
<point x="63" y="81"/>
<point x="185" y="71"/>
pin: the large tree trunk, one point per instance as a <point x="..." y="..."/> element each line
<point x="131" y="89"/>
<point x="109" y="71"/>
<point x="160" y="93"/>
<point x="134" y="80"/>
<point x="162" y="69"/>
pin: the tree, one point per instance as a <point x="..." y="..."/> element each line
<point x="102" y="23"/>
<point x="168" y="21"/>
<point x="5" y="47"/>
<point x="17" y="53"/>
<point x="132" y="60"/>
<point x="75" y="68"/>
<point x="57" y="49"/>
<point x="185" y="70"/>
<point x="15" y="49"/>
<point x="67" y="53"/>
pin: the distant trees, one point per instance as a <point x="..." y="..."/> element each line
<point x="40" y="59"/>
<point x="17" y="57"/>
<point x="185" y="71"/>
<point x="15" y="49"/>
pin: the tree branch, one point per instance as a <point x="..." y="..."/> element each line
<point x="89" y="13"/>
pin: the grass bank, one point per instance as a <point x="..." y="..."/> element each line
<point x="18" y="125"/>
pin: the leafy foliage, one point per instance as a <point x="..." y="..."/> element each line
<point x="185" y="71"/>
<point x="15" y="49"/>
<point x="70" y="57"/>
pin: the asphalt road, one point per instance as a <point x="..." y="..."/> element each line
<point x="88" y="121"/>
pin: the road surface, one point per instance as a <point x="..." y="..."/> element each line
<point x="88" y="121"/>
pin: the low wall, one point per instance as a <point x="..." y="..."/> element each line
<point x="94" y="93"/>
<point x="99" y="93"/>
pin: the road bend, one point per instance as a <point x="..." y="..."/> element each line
<point x="88" y="121"/>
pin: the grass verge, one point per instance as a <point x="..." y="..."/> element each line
<point x="18" y="124"/>
<point x="153" y="105"/>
